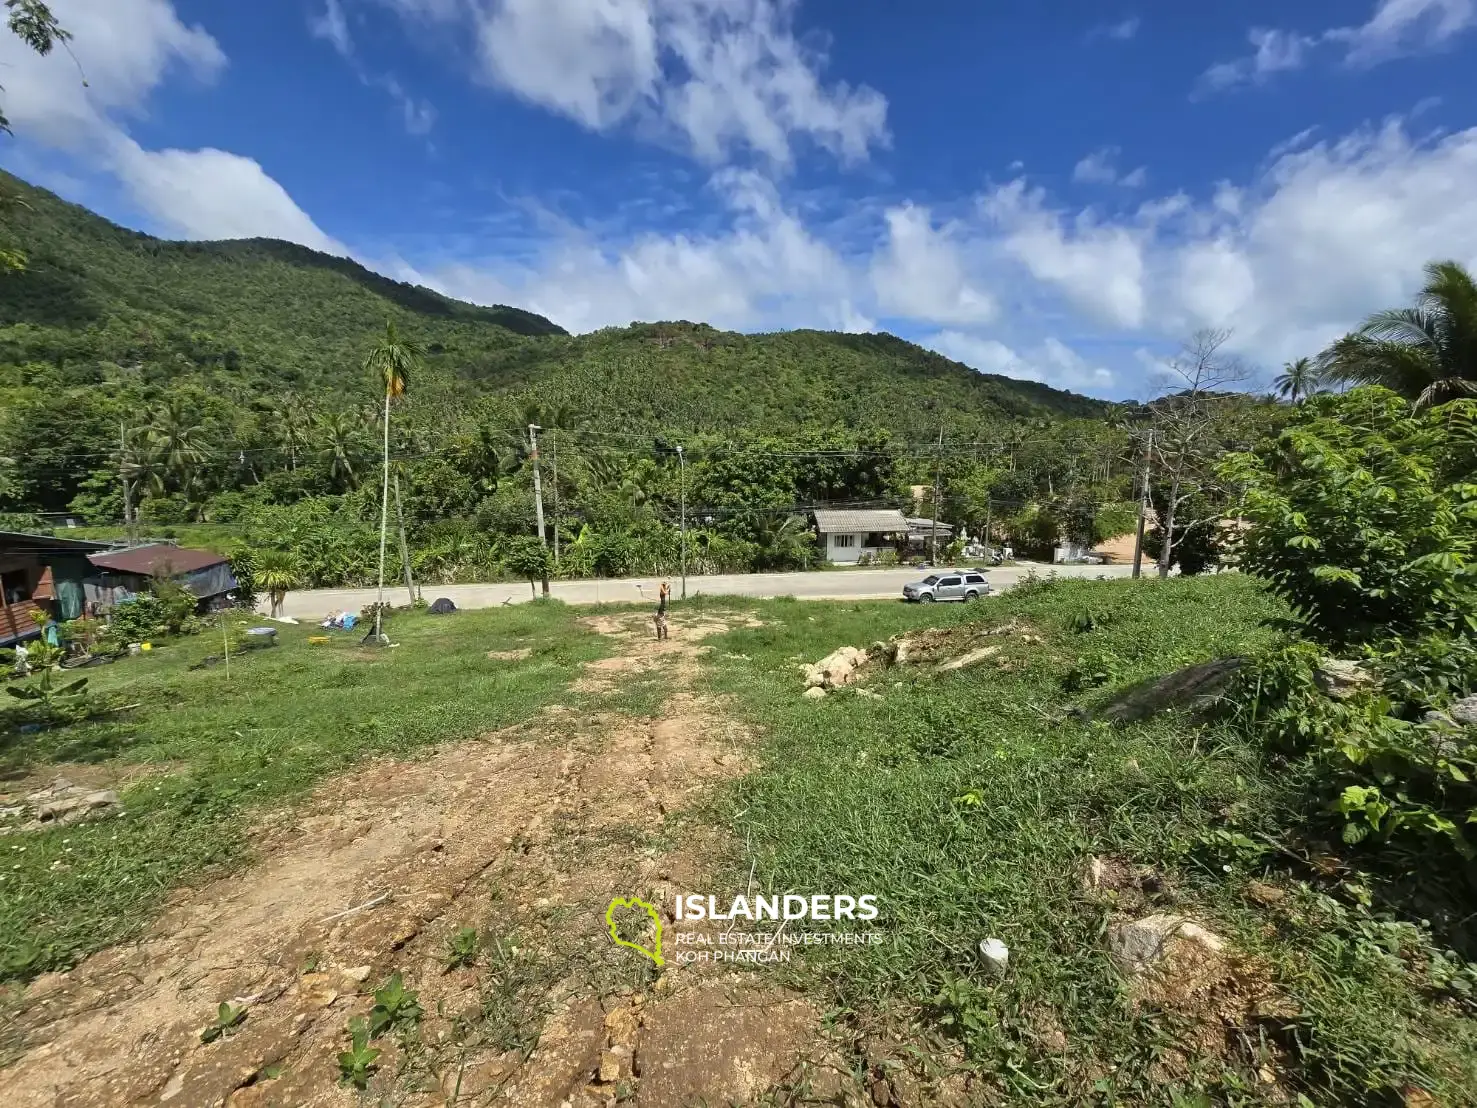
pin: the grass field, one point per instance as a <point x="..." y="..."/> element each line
<point x="970" y="807"/>
<point x="970" y="804"/>
<point x="286" y="718"/>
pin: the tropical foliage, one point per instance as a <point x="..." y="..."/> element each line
<point x="1426" y="353"/>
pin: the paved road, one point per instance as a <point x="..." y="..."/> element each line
<point x="858" y="584"/>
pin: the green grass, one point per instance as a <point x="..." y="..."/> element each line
<point x="287" y="717"/>
<point x="970" y="806"/>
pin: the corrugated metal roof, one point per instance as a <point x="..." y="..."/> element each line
<point x="24" y="541"/>
<point x="844" y="522"/>
<point x="145" y="561"/>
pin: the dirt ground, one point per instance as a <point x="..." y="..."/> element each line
<point x="526" y="835"/>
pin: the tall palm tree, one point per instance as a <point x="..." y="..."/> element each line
<point x="177" y="440"/>
<point x="294" y="422"/>
<point x="275" y="572"/>
<point x="1299" y="380"/>
<point x="340" y="447"/>
<point x="1427" y="353"/>
<point x="393" y="361"/>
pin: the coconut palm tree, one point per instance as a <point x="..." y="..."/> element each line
<point x="1427" y="353"/>
<point x="393" y="361"/>
<point x="177" y="441"/>
<point x="1298" y="380"/>
<point x="294" y="424"/>
<point x="340" y="448"/>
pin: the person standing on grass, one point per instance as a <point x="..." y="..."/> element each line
<point x="661" y="611"/>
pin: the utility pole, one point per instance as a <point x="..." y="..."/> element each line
<point x="554" y="459"/>
<point x="404" y="549"/>
<point x="1138" y="542"/>
<point x="682" y="480"/>
<point x="538" y="492"/>
<point x="989" y="503"/>
<point x="937" y="466"/>
<point x="128" y="527"/>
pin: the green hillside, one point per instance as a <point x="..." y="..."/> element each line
<point x="276" y="315"/>
<point x="225" y="380"/>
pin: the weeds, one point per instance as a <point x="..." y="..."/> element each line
<point x="227" y="1019"/>
<point x="357" y="1064"/>
<point x="396" y="1008"/>
<point x="461" y="949"/>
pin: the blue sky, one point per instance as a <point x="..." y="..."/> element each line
<point x="1063" y="191"/>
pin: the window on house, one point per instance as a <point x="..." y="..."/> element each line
<point x="843" y="540"/>
<point x="876" y="538"/>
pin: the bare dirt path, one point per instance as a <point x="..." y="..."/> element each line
<point x="525" y="835"/>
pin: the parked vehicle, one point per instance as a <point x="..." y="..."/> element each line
<point x="952" y="584"/>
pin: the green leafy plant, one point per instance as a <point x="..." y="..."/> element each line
<point x="357" y="1064"/>
<point x="461" y="948"/>
<point x="1094" y="669"/>
<point x="44" y="661"/>
<point x="227" y="1019"/>
<point x="395" y="1007"/>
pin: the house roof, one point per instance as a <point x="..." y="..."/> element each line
<point x="145" y="561"/>
<point x="917" y="524"/>
<point x="23" y="542"/>
<point x="842" y="522"/>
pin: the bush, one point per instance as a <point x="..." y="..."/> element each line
<point x="138" y="620"/>
<point x="1364" y="516"/>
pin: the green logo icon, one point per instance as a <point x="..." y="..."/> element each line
<point x="654" y="952"/>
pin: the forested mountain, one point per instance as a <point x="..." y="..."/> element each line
<point x="274" y="315"/>
<point x="224" y="385"/>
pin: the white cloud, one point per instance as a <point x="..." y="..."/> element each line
<point x="127" y="48"/>
<point x="1124" y="30"/>
<point x="1396" y="28"/>
<point x="719" y="76"/>
<point x="211" y="194"/>
<point x="1098" y="266"/>
<point x="419" y="116"/>
<point x="331" y="26"/>
<point x="124" y="47"/>
<point x="1051" y="362"/>
<point x="919" y="274"/>
<point x="1405" y="26"/>
<point x="1276" y="52"/>
<point x="766" y="271"/>
<point x="1099" y="168"/>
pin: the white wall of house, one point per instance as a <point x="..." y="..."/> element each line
<point x="845" y="549"/>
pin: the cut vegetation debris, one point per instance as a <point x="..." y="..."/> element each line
<point x="945" y="650"/>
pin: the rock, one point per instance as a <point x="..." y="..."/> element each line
<point x="868" y="693"/>
<point x="315" y="990"/>
<point x="357" y="974"/>
<point x="1194" y="687"/>
<point x="881" y="1093"/>
<point x="815" y="692"/>
<point x="1143" y="944"/>
<point x="972" y="658"/>
<point x="1464" y="711"/>
<point x="902" y="652"/>
<point x="57" y="809"/>
<point x="1264" y="894"/>
<point x="610" y="1066"/>
<point x="815" y="678"/>
<point x="105" y="798"/>
<point x="1342" y="679"/>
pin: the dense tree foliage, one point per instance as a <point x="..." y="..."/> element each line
<point x="222" y="389"/>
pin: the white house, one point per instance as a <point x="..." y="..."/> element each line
<point x="846" y="535"/>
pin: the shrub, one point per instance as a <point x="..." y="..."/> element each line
<point x="1364" y="516"/>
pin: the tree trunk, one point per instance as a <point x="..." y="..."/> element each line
<point x="404" y="548"/>
<point x="1166" y="548"/>
<point x="384" y="523"/>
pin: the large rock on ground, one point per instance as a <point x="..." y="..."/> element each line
<point x="1144" y="944"/>
<point x="1195" y="687"/>
<point x="1341" y="679"/>
<point x="1464" y="711"/>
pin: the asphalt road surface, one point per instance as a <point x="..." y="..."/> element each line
<point x="832" y="584"/>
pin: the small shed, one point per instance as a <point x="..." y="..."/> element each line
<point x="921" y="532"/>
<point x="846" y="535"/>
<point x="121" y="575"/>
<point x="44" y="575"/>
